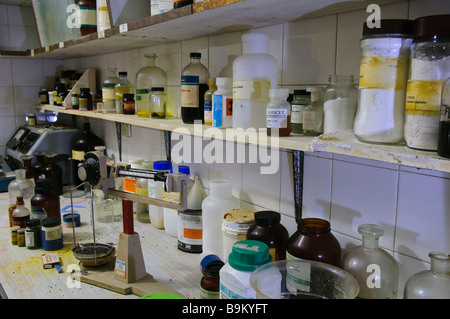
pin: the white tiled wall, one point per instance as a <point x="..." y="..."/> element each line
<point x="412" y="205"/>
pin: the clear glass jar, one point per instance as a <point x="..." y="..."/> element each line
<point x="146" y="78"/>
<point x="313" y="113"/>
<point x="444" y="124"/>
<point x="433" y="283"/>
<point x="301" y="99"/>
<point x="375" y="270"/>
<point x="122" y="87"/>
<point x="340" y="103"/>
<point x="21" y="186"/>
<point x="194" y="84"/>
<point x="108" y="97"/>
<point x="158" y="103"/>
<point x="382" y="84"/>
<point x="430" y="68"/>
<point x="278" y="113"/>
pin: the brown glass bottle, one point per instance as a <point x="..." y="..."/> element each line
<point x="45" y="203"/>
<point x="313" y="240"/>
<point x="267" y="228"/>
<point x="26" y="160"/>
<point x="87" y="16"/>
<point x="38" y="164"/>
<point x="81" y="143"/>
<point x="181" y="3"/>
<point x="54" y="172"/>
<point x="21" y="214"/>
<point x="210" y="282"/>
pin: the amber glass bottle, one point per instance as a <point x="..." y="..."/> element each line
<point x="267" y="228"/>
<point x="45" y="200"/>
<point x="54" y="172"/>
<point x="26" y="160"/>
<point x="38" y="164"/>
<point x="210" y="283"/>
<point x="313" y="240"/>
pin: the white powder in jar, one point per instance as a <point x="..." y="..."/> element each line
<point x="339" y="114"/>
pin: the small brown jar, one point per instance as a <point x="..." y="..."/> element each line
<point x="128" y="104"/>
<point x="267" y="228"/>
<point x="85" y="99"/>
<point x="313" y="240"/>
<point x="54" y="172"/>
<point x="210" y="283"/>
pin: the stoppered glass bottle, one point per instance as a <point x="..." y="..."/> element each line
<point x="108" y="97"/>
<point x="375" y="269"/>
<point x="313" y="113"/>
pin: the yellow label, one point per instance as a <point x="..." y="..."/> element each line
<point x="256" y="90"/>
<point x="424" y="98"/>
<point x="383" y="72"/>
<point x="77" y="155"/>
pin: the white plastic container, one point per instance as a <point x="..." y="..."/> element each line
<point x="155" y="190"/>
<point x="235" y="224"/>
<point x="214" y="208"/>
<point x="222" y="103"/>
<point x="254" y="73"/>
<point x="245" y="258"/>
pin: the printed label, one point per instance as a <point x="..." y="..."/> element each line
<point x="29" y="239"/>
<point x="78" y="155"/>
<point x="300" y="278"/>
<point x="257" y="90"/>
<point x="190" y="91"/>
<point x="53" y="234"/>
<point x="383" y="72"/>
<point x="108" y="94"/>
<point x="87" y="17"/>
<point x="276" y="118"/>
<point x="206" y="294"/>
<point x="217" y="110"/>
<point x="424" y="98"/>
<point x="120" y="269"/>
<point x="83" y="103"/>
<point x="208" y="111"/>
<point x="190" y="228"/>
<point x="297" y="113"/>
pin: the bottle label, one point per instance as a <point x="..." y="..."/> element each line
<point x="276" y="118"/>
<point x="378" y="72"/>
<point x="206" y="294"/>
<point x="424" y="98"/>
<point x="190" y="232"/>
<point x="108" y="93"/>
<point x="297" y="113"/>
<point x="83" y="103"/>
<point x="29" y="239"/>
<point x="78" y="155"/>
<point x="53" y="234"/>
<point x="190" y="91"/>
<point x="256" y="90"/>
<point x="208" y="111"/>
<point x="87" y="17"/>
<point x="38" y="212"/>
<point x="299" y="278"/>
<point x="217" y="110"/>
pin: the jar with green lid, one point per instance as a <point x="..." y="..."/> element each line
<point x="245" y="257"/>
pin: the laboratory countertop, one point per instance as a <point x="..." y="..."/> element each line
<point x="22" y="275"/>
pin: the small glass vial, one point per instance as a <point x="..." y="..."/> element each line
<point x="14" y="230"/>
<point x="208" y="100"/>
<point x="210" y="282"/>
<point x="122" y="87"/>
<point x="158" y="103"/>
<point x="375" y="270"/>
<point x="313" y="240"/>
<point x="21" y="237"/>
<point x="75" y="101"/>
<point x="341" y="103"/>
<point x="268" y="229"/>
<point x="33" y="234"/>
<point x="278" y="113"/>
<point x="313" y="113"/>
<point x="128" y="104"/>
<point x="433" y="283"/>
<point x="301" y="99"/>
<point x="85" y="99"/>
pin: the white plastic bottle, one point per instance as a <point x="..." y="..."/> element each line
<point x="219" y="201"/>
<point x="155" y="190"/>
<point x="254" y="73"/>
<point x="222" y="103"/>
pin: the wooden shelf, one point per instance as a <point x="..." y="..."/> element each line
<point x="200" y="19"/>
<point x="344" y="142"/>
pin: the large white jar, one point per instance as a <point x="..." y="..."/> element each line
<point x="254" y="73"/>
<point x="219" y="201"/>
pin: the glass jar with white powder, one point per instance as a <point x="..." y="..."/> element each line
<point x="382" y="81"/>
<point x="430" y="68"/>
<point x="341" y="102"/>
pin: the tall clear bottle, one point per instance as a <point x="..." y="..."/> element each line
<point x="108" y="97"/>
<point x="122" y="87"/>
<point x="375" y="270"/>
<point x="433" y="283"/>
<point x="194" y="84"/>
<point x="21" y="186"/>
<point x="146" y="78"/>
<point x="254" y="73"/>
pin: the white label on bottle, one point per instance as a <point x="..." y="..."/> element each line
<point x="309" y="120"/>
<point x="190" y="91"/>
<point x="87" y="16"/>
<point x="276" y="118"/>
<point x="257" y="90"/>
<point x="300" y="277"/>
<point x="297" y="113"/>
<point x="108" y="94"/>
<point x="233" y="288"/>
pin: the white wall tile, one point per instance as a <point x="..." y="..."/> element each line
<point x="4" y="37"/>
<point x="422" y="221"/>
<point x="309" y="50"/>
<point x="25" y="99"/>
<point x="8" y="124"/>
<point x="422" y="8"/>
<point x="7" y="101"/>
<point x="6" y="71"/>
<point x="27" y="72"/>
<point x="223" y="50"/>
<point x="170" y="61"/>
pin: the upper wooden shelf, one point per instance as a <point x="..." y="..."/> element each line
<point x="344" y="142"/>
<point x="200" y="19"/>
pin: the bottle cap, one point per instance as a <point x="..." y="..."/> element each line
<point x="267" y="218"/>
<point x="431" y="26"/>
<point x="51" y="222"/>
<point x="33" y="223"/>
<point x="247" y="255"/>
<point x="123" y="73"/>
<point x="158" y="88"/>
<point x="300" y="92"/>
<point x="195" y="55"/>
<point x="213" y="268"/>
<point x="182" y="169"/>
<point x="162" y="165"/>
